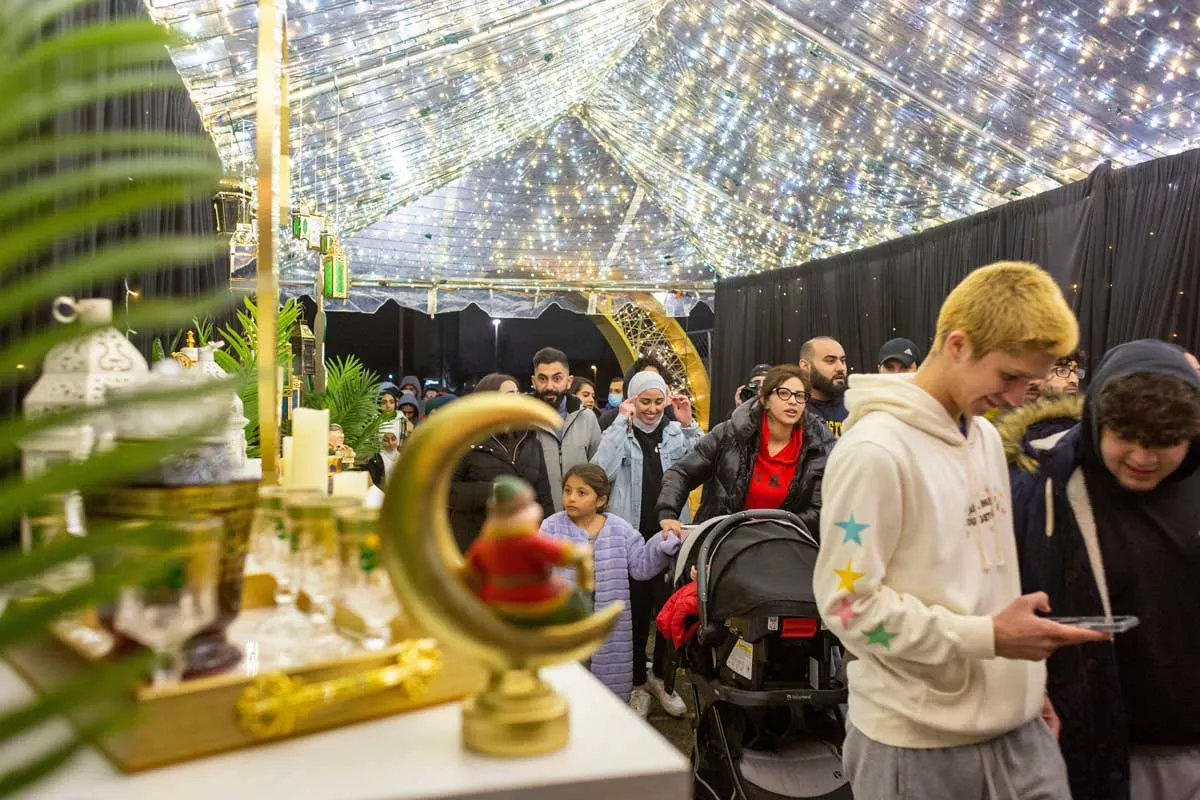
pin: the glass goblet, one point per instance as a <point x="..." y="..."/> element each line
<point x="315" y="527"/>
<point x="283" y="636"/>
<point x="162" y="613"/>
<point x="366" y="589"/>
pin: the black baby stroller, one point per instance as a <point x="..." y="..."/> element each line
<point x="763" y="670"/>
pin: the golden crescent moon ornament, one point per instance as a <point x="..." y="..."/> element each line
<point x="518" y="714"/>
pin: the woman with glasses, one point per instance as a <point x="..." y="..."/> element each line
<point x="769" y="454"/>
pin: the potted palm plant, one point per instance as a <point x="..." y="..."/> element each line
<point x="53" y="188"/>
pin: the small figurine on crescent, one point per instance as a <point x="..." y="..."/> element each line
<point x="511" y="565"/>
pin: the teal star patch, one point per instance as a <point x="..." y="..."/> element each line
<point x="853" y="530"/>
<point x="879" y="636"/>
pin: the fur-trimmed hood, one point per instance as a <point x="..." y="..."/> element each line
<point x="1045" y="417"/>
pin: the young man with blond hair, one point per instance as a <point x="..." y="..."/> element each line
<point x="918" y="573"/>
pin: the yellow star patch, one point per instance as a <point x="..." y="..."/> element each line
<point x="848" y="576"/>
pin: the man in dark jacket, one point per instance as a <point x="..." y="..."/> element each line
<point x="723" y="462"/>
<point x="518" y="454"/>
<point x="1106" y="524"/>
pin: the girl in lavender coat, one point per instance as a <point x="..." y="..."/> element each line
<point x="620" y="553"/>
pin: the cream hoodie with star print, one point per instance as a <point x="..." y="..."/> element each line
<point x="917" y="554"/>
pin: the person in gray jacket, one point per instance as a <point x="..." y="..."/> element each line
<point x="579" y="437"/>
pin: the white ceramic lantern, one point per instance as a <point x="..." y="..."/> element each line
<point x="80" y="372"/>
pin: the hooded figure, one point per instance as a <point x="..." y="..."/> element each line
<point x="1106" y="517"/>
<point x="410" y="384"/>
<point x="407" y="400"/>
<point x="389" y="398"/>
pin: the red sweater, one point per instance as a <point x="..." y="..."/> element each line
<point x="773" y="474"/>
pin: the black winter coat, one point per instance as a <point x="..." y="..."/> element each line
<point x="471" y="484"/>
<point x="723" y="463"/>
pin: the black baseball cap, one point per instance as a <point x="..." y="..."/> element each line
<point x="761" y="369"/>
<point x="903" y="350"/>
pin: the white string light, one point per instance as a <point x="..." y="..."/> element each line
<point x="763" y="133"/>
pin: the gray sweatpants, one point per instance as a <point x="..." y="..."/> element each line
<point x="1165" y="773"/>
<point x="1024" y="764"/>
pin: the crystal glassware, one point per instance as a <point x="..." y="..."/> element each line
<point x="366" y="589"/>
<point x="283" y="637"/>
<point x="162" y="613"/>
<point x="314" y="524"/>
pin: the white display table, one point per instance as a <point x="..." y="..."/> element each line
<point x="612" y="754"/>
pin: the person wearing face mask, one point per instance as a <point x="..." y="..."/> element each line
<point x="575" y="442"/>
<point x="515" y="453"/>
<point x="635" y="452"/>
<point x="770" y="453"/>
<point x="616" y="395"/>
<point x="1106" y="518"/>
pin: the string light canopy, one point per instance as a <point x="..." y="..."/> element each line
<point x="619" y="142"/>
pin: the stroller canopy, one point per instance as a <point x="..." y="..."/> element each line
<point x="754" y="566"/>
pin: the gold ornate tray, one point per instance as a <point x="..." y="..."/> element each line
<point x="243" y="708"/>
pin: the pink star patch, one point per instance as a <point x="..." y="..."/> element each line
<point x="845" y="612"/>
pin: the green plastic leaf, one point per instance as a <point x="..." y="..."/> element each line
<point x="68" y="186"/>
<point x="101" y="469"/>
<point x="101" y="683"/>
<point x="158" y="313"/>
<point x="40" y="107"/>
<point x="31" y="238"/>
<point x="23" y="155"/>
<point x="36" y="769"/>
<point x="120" y="259"/>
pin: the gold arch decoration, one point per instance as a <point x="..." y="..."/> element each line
<point x="643" y="328"/>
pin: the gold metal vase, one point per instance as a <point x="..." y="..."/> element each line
<point x="518" y="714"/>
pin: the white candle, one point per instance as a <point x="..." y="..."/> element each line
<point x="350" y="484"/>
<point x="285" y="463"/>
<point x="310" y="450"/>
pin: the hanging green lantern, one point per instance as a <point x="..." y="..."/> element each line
<point x="336" y="267"/>
<point x="307" y="227"/>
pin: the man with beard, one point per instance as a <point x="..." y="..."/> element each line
<point x="1064" y="377"/>
<point x="576" y="441"/>
<point x="823" y="359"/>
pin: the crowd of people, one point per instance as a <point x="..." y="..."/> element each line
<point x="961" y="497"/>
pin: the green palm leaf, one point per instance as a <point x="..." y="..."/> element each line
<point x="351" y="395"/>
<point x="54" y="188"/>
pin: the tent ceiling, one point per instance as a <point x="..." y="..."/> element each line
<point x="731" y="135"/>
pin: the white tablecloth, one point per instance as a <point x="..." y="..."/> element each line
<point x="612" y="755"/>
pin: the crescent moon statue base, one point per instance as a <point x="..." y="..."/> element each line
<point x="517" y="715"/>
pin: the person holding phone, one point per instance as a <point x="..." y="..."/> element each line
<point x="1106" y="517"/>
<point x="917" y="573"/>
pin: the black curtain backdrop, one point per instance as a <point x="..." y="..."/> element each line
<point x="1123" y="244"/>
<point x="161" y="106"/>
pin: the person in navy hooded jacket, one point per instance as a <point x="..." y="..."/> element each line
<point x="1106" y="518"/>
